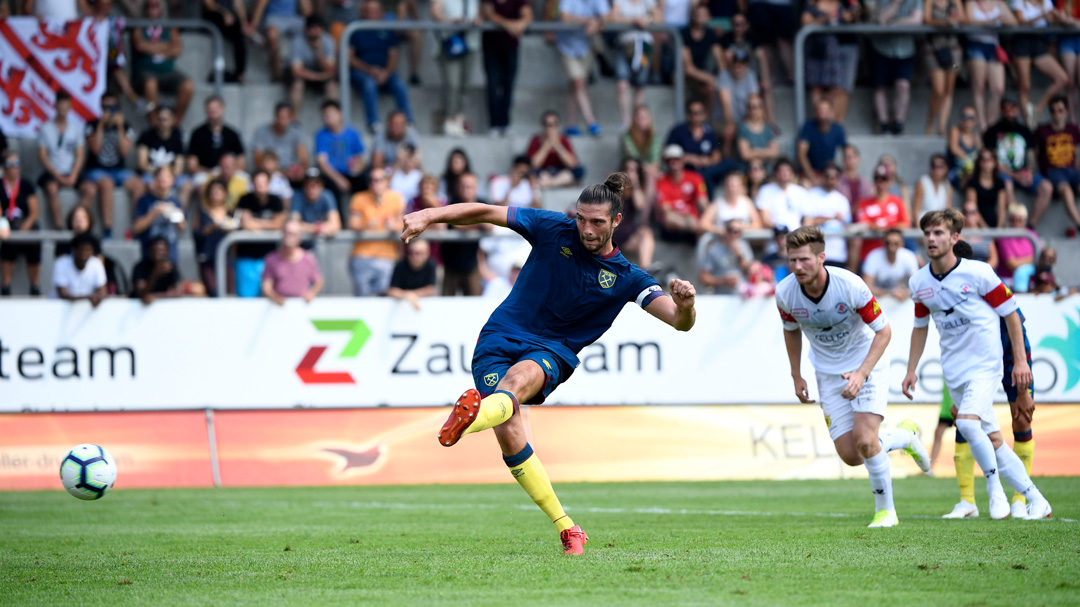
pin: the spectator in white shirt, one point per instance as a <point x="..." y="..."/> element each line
<point x="518" y="189"/>
<point x="828" y="208"/>
<point x="781" y="202"/>
<point x="80" y="275"/>
<point x="887" y="269"/>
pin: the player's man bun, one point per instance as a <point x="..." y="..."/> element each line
<point x="613" y="190"/>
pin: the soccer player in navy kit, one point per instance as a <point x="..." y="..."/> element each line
<point x="573" y="285"/>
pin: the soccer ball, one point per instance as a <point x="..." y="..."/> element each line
<point x="88" y="471"/>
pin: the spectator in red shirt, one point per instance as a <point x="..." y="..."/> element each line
<point x="1057" y="142"/>
<point x="680" y="198"/>
<point x="552" y="156"/>
<point x="884" y="211"/>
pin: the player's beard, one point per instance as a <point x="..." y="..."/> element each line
<point x="598" y="244"/>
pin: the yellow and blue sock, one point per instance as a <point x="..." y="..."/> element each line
<point x="1024" y="446"/>
<point x="964" y="462"/>
<point x="494" y="410"/>
<point x="530" y="474"/>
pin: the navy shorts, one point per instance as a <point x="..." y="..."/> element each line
<point x="1060" y="176"/>
<point x="495" y="354"/>
<point x="1006" y="380"/>
<point x="887" y="70"/>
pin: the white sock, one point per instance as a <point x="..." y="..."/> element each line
<point x="1012" y="468"/>
<point x="880" y="481"/>
<point x="894" y="439"/>
<point x="983" y="451"/>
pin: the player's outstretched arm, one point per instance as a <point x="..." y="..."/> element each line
<point x="918" y="344"/>
<point x="677" y="310"/>
<point x="462" y="214"/>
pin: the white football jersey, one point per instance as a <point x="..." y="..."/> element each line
<point x="966" y="303"/>
<point x="840" y="324"/>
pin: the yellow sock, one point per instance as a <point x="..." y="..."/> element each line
<point x="530" y="474"/>
<point x="1025" y="450"/>
<point x="494" y="410"/>
<point x="965" y="472"/>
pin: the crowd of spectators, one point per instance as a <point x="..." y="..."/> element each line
<point x="699" y="186"/>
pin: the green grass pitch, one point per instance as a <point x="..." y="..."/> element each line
<point x="723" y="543"/>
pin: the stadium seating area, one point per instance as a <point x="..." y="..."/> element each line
<point x="541" y="86"/>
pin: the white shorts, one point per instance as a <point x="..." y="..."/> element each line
<point x="839" y="411"/>
<point x="978" y="399"/>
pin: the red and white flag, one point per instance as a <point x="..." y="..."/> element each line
<point x="39" y="58"/>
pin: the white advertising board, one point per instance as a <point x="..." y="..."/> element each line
<point x="246" y="354"/>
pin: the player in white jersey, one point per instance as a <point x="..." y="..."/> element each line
<point x="966" y="299"/>
<point x="848" y="333"/>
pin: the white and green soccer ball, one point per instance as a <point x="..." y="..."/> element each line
<point x="88" y="471"/>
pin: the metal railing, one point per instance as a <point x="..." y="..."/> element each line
<point x="537" y="27"/>
<point x="191" y="24"/>
<point x="866" y="29"/>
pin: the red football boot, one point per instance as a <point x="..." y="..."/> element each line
<point x="574" y="540"/>
<point x="461" y="417"/>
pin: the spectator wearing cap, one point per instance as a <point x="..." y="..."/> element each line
<point x="378" y="210"/>
<point x="702" y="56"/>
<point x="339" y="153"/>
<point x="163" y="145"/>
<point x="884" y="211"/>
<point x="80" y="275"/>
<point x="737" y="85"/>
<point x="312" y="63"/>
<point x="893" y="63"/>
<point x="259" y="211"/>
<point x="680" y="199"/>
<point x="315" y="207"/>
<point x="211" y="140"/>
<point x="552" y="156"/>
<point x="18" y="213"/>
<point x="726" y="261"/>
<point x="373" y="56"/>
<point x="284" y="137"/>
<point x="701" y="151"/>
<point x="575" y="48"/>
<point x="414" y="277"/>
<point x="291" y="271"/>
<point x="1016" y="149"/>
<point x="156" y="49"/>
<point x="782" y="201"/>
<point x="61" y="153"/>
<point x="1057" y="142"/>
<point x="819" y="141"/>
<point x="108" y="142"/>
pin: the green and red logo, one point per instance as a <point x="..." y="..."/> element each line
<point x="306" y="369"/>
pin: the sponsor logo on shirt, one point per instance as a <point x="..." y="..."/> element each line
<point x="925" y="293"/>
<point x="800" y="313"/>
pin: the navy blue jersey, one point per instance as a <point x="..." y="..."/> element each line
<point x="565" y="297"/>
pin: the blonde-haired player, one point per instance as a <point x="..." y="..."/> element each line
<point x="967" y="299"/>
<point x="848" y="333"/>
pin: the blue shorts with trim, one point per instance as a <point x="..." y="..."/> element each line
<point x="1006" y="379"/>
<point x="495" y="354"/>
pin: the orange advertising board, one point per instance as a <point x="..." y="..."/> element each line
<point x="152" y="449"/>
<point x="398" y="446"/>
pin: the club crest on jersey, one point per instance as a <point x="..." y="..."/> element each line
<point x="965" y="289"/>
<point x="566" y="252"/>
<point x="491" y="379"/>
<point x="841" y="308"/>
<point x="606" y="279"/>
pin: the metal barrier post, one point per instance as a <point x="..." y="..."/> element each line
<point x="193" y="24"/>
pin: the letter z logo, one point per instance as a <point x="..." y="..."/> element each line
<point x="306" y="369"/>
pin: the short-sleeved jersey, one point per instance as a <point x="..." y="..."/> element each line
<point x="840" y="324"/>
<point x="966" y="303"/>
<point x="565" y="297"/>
